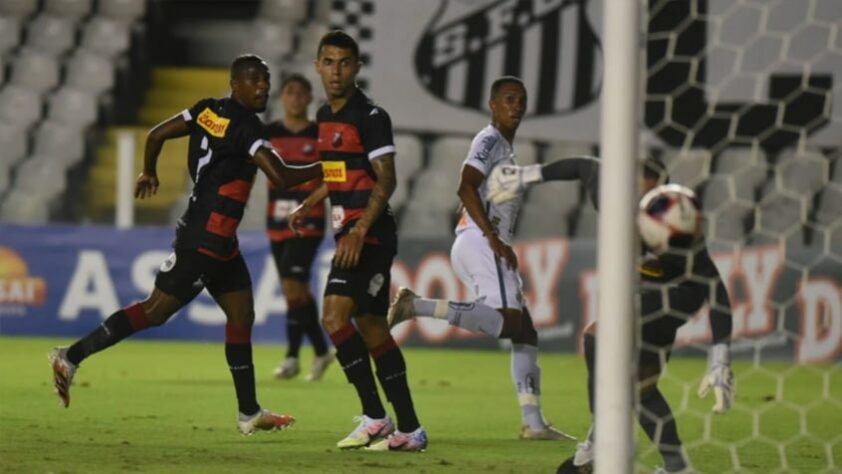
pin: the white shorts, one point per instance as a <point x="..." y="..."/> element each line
<point x="492" y="282"/>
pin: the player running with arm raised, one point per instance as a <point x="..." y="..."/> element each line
<point x="227" y="145"/>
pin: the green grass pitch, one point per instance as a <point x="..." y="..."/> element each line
<point x="169" y="407"/>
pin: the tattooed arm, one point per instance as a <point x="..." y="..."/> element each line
<point x="349" y="247"/>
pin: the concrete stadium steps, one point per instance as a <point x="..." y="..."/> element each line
<point x="175" y="89"/>
<point x="172" y="172"/>
<point x="171" y="91"/>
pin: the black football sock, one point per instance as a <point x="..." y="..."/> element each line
<point x="295" y="328"/>
<point x="238" y="355"/>
<point x="658" y="422"/>
<point x="310" y="323"/>
<point x="391" y="371"/>
<point x="117" y="327"/>
<point x="352" y="354"/>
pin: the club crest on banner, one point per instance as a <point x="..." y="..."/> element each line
<point x="550" y="44"/>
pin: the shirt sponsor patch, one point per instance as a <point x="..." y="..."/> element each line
<point x="212" y="123"/>
<point x="334" y="171"/>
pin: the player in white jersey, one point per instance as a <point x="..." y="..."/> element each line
<point x="483" y="259"/>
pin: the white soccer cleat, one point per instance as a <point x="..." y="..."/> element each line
<point x="369" y="430"/>
<point x="401" y="308"/>
<point x="263" y="420"/>
<point x="63" y="372"/>
<point x="288" y="369"/>
<point x="320" y="365"/>
<point x="549" y="433"/>
<point x="584" y="453"/>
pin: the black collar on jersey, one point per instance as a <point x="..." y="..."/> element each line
<point x="357" y="96"/>
<point x="278" y="128"/>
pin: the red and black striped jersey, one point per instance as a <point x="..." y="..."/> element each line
<point x="224" y="136"/>
<point x="296" y="148"/>
<point x="348" y="140"/>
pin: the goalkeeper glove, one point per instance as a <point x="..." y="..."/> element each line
<point x="507" y="182"/>
<point x="719" y="377"/>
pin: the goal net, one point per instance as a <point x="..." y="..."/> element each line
<point x="742" y="104"/>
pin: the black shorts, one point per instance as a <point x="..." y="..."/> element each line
<point x="659" y="324"/>
<point x="294" y="257"/>
<point x="368" y="283"/>
<point x="186" y="272"/>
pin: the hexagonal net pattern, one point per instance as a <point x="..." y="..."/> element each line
<point x="743" y="104"/>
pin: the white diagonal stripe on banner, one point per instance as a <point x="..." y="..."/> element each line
<point x="493" y="69"/>
<point x="566" y="83"/>
<point x="457" y="75"/>
<point x="530" y="66"/>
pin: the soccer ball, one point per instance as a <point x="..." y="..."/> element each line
<point x="669" y="217"/>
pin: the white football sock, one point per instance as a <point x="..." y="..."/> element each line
<point x="475" y="317"/>
<point x="526" y="376"/>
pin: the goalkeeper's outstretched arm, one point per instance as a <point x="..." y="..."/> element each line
<point x="508" y="182"/>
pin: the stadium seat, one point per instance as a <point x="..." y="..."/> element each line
<point x="125" y="10"/>
<point x="4" y="177"/>
<point x="51" y="34"/>
<point x="733" y="160"/>
<point x="13" y="143"/>
<point x="435" y="190"/>
<point x="779" y="213"/>
<point x="19" y="106"/>
<point x="106" y="36"/>
<point x="556" y="195"/>
<point x="836" y="172"/>
<point x="61" y="142"/>
<point x="537" y="221"/>
<point x="447" y="154"/>
<point x="718" y="193"/>
<point x="21" y="208"/>
<point x="40" y="177"/>
<point x="409" y="156"/>
<point x="829" y="209"/>
<point x="802" y="173"/>
<point x="10" y="29"/>
<point x="254" y="216"/>
<point x="18" y="8"/>
<point x="687" y="167"/>
<point x="559" y="150"/>
<point x="728" y="224"/>
<point x="73" y="107"/>
<point x="586" y="222"/>
<point x="526" y="153"/>
<point x="90" y="72"/>
<point x="289" y="11"/>
<point x="272" y="41"/>
<point x="35" y="70"/>
<point x="75" y="9"/>
<point x="420" y="221"/>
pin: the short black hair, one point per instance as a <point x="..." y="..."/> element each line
<point x="501" y="81"/>
<point x="340" y="39"/>
<point x="245" y="61"/>
<point x="654" y="168"/>
<point x="296" y="77"/>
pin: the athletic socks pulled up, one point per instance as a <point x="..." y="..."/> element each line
<point x="114" y="329"/>
<point x="353" y="355"/>
<point x="239" y="356"/>
<point x="526" y="376"/>
<point x="475" y="317"/>
<point x="391" y="371"/>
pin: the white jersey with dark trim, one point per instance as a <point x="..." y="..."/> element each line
<point x="489" y="150"/>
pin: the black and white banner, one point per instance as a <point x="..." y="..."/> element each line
<point x="719" y="73"/>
